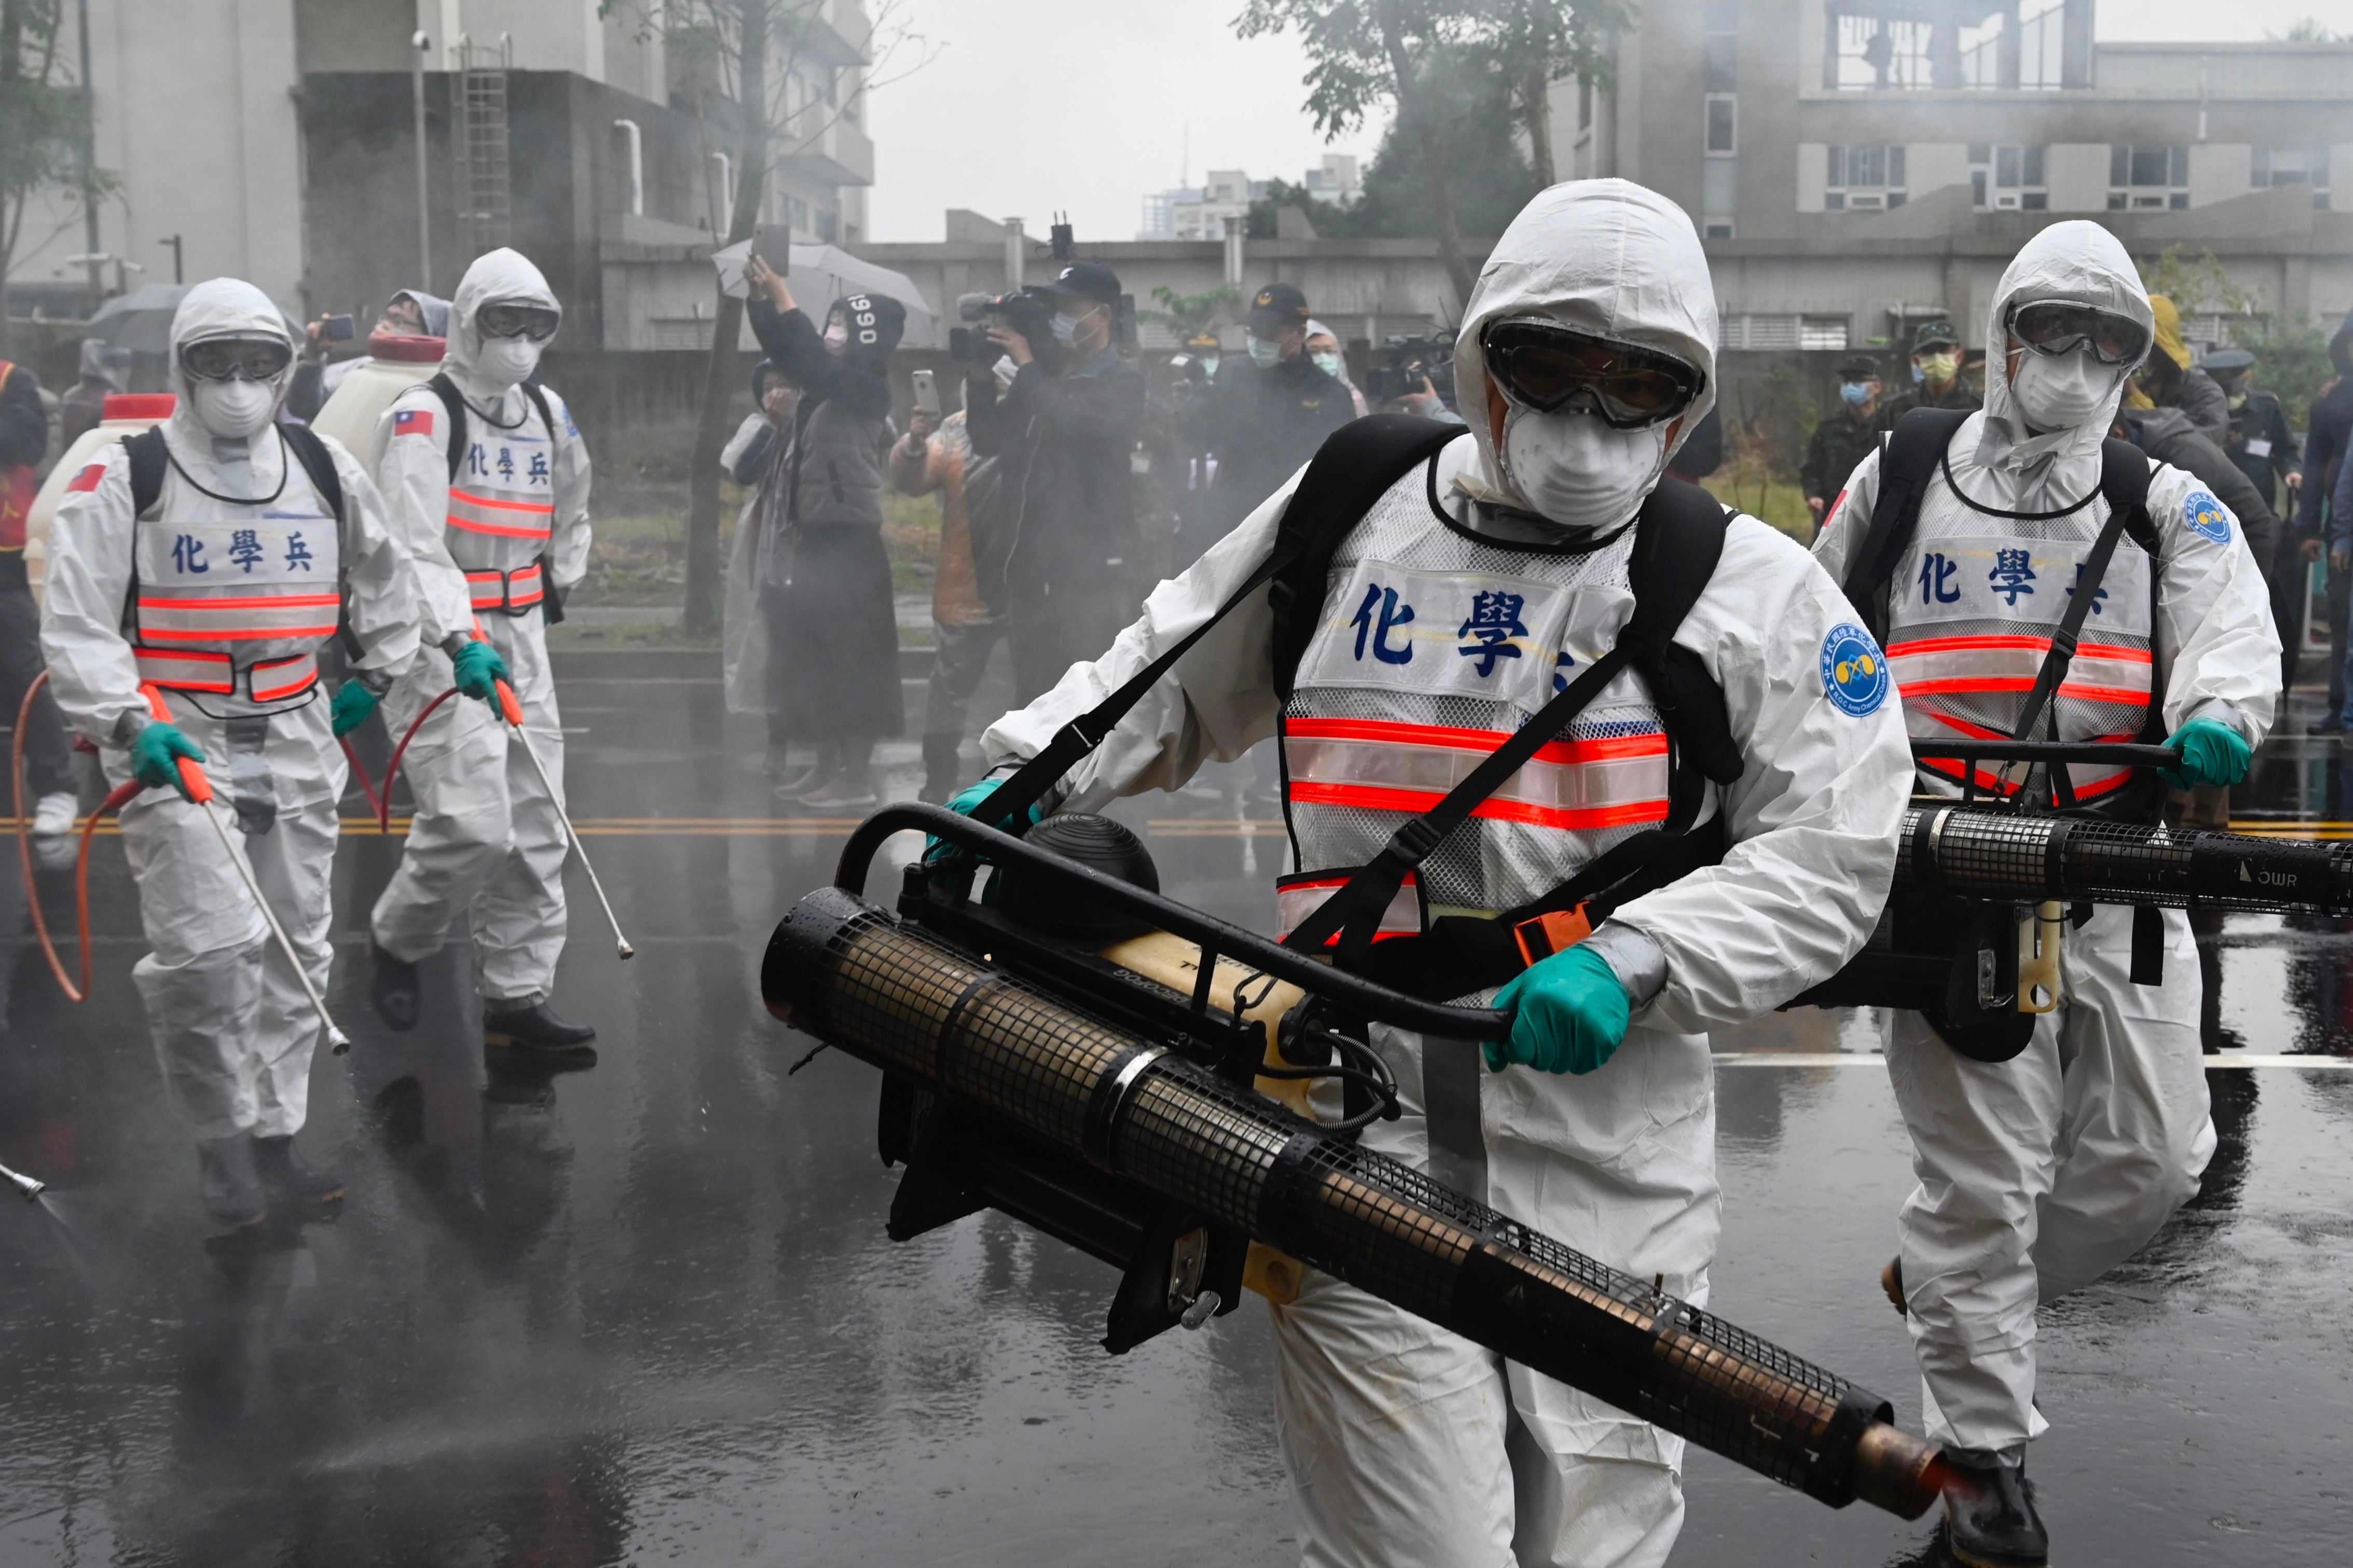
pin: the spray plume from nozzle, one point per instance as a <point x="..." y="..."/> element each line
<point x="25" y="1183"/>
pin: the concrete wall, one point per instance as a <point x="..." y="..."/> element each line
<point x="195" y="109"/>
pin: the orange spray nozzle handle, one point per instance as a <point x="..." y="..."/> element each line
<point x="508" y="709"/>
<point x="193" y="782"/>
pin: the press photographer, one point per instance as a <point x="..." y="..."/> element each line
<point x="1063" y="560"/>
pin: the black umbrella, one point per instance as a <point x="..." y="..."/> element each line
<point x="140" y="320"/>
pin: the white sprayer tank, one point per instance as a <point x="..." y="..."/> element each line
<point x="126" y="414"/>
<point x="395" y="363"/>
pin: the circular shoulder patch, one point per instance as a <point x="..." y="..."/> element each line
<point x="2207" y="516"/>
<point x="1855" y="672"/>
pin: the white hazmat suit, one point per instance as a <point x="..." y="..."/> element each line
<point x="2040" y="1174"/>
<point x="487" y="547"/>
<point x="231" y="585"/>
<point x="1406" y="1443"/>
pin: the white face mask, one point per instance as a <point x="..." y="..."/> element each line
<point x="234" y="409"/>
<point x="2062" y="392"/>
<point x="507" y="362"/>
<point x="1576" y="471"/>
<point x="837" y="338"/>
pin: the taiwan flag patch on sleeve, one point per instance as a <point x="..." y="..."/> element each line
<point x="87" y="479"/>
<point x="412" y="422"/>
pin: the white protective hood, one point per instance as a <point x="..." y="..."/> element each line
<point x="501" y="276"/>
<point x="1607" y="256"/>
<point x="2080" y="262"/>
<point x="222" y="308"/>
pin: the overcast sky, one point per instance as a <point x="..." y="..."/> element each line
<point x="1083" y="105"/>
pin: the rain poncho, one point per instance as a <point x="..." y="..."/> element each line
<point x="511" y="527"/>
<point x="232" y="1026"/>
<point x="2040" y="1174"/>
<point x="1393" y="1431"/>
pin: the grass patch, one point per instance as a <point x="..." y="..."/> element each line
<point x="911" y="533"/>
<point x="640" y="558"/>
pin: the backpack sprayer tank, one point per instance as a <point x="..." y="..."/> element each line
<point x="1042" y="1056"/>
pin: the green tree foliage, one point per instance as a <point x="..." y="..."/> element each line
<point x="2292" y="361"/>
<point x="44" y="124"/>
<point x="1189" y="314"/>
<point x="2196" y="282"/>
<point x="1479" y="155"/>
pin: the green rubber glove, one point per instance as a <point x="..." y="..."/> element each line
<point x="966" y="801"/>
<point x="2211" y="753"/>
<point x="353" y="704"/>
<point x="479" y="670"/>
<point x="153" y="754"/>
<point x="1572" y="1014"/>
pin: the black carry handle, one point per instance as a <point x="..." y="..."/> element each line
<point x="1998" y="751"/>
<point x="1359" y="995"/>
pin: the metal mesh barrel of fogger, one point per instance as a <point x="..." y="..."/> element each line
<point x="845" y="972"/>
<point x="1994" y="855"/>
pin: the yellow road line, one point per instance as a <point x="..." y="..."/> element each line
<point x="1875" y="1060"/>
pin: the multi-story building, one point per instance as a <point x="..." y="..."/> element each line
<point x="1918" y="142"/>
<point x="276" y="141"/>
<point x="1199" y="212"/>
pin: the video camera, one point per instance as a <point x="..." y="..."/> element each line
<point x="1029" y="311"/>
<point x="1401" y="363"/>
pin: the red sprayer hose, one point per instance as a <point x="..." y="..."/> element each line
<point x="114" y="801"/>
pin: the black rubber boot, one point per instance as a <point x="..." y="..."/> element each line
<point x="226" y="1182"/>
<point x="535" y="1028"/>
<point x="943" y="764"/>
<point x="392" y="987"/>
<point x="1990" y="1517"/>
<point x="285" y="1176"/>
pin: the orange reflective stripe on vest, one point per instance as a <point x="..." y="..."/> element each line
<point x="1572" y="786"/>
<point x="499" y="518"/>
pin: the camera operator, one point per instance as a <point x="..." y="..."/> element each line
<point x="1063" y="431"/>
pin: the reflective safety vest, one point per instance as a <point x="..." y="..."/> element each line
<point x="1974" y="601"/>
<point x="502" y="515"/>
<point x="1432" y="648"/>
<point x="235" y="601"/>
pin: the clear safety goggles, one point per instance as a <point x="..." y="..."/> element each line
<point x="1545" y="366"/>
<point x="226" y="359"/>
<point x="2056" y="327"/>
<point x="534" y="322"/>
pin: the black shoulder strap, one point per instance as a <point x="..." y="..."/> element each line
<point x="454" y="403"/>
<point x="537" y="395"/>
<point x="2124" y="481"/>
<point x="1348" y="473"/>
<point x="1678" y="539"/>
<point x="1909" y="457"/>
<point x="148" y="462"/>
<point x="318" y="463"/>
<point x="1354" y="466"/>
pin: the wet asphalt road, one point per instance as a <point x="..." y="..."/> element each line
<point x="646" y="1312"/>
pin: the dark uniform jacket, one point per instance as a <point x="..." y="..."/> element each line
<point x="1840" y="442"/>
<point x="1262" y="424"/>
<point x="2166" y="435"/>
<point x="1064" y="519"/>
<point x="1957" y="395"/>
<point x="2262" y="445"/>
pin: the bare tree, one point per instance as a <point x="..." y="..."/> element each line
<point x="1363" y="53"/>
<point x="753" y="61"/>
<point x="1536" y="43"/>
<point x="44" y="119"/>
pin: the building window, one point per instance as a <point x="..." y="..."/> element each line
<point x="1821" y="331"/>
<point x="1722" y="125"/>
<point x="1716" y="228"/>
<point x="1866" y="178"/>
<point x="1777" y="332"/>
<point x="1719" y="196"/>
<point x="2145" y="178"/>
<point x="1720" y="29"/>
<point x="2008" y="179"/>
<point x="1584" y="104"/>
<point x="1890" y="46"/>
<point x="2293" y="166"/>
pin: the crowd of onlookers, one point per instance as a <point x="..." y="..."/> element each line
<point x="1068" y="483"/>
